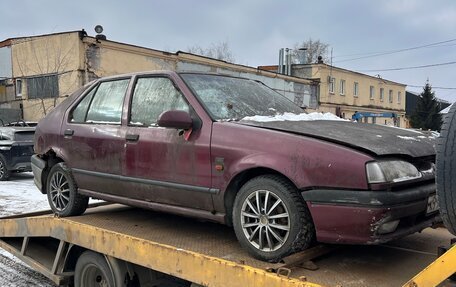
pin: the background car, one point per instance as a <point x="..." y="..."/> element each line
<point x="16" y="150"/>
<point x="232" y="150"/>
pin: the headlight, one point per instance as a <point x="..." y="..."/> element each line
<point x="5" y="147"/>
<point x="391" y="171"/>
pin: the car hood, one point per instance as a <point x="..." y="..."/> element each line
<point x="375" y="139"/>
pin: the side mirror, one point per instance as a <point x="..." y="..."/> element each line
<point x="175" y="119"/>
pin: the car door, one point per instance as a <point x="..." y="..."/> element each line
<point x="93" y="137"/>
<point x="165" y="165"/>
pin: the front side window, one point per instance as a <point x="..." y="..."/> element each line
<point x="152" y="97"/>
<point x="103" y="104"/>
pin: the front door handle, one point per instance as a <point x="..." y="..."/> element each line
<point x="68" y="132"/>
<point x="132" y="137"/>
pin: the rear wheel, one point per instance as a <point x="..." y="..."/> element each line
<point x="4" y="172"/>
<point x="92" y="270"/>
<point x="62" y="193"/>
<point x="271" y="219"/>
<point x="446" y="171"/>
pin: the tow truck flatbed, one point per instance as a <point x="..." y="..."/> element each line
<point x="203" y="252"/>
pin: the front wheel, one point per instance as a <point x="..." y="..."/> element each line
<point x="270" y="218"/>
<point x="62" y="192"/>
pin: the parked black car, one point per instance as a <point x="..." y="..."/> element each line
<point x="16" y="149"/>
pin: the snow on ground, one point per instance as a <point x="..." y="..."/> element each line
<point x="20" y="195"/>
<point x="294" y="117"/>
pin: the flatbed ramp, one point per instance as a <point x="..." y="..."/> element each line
<point x="202" y="252"/>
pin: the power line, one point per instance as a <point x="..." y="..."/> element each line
<point x="377" y="54"/>
<point x="410" y="68"/>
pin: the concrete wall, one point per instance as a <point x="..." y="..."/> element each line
<point x="58" y="54"/>
<point x="77" y="60"/>
<point x="106" y="58"/>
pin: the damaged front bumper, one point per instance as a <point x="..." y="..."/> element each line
<point x="370" y="217"/>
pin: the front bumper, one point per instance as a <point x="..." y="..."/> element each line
<point x="354" y="217"/>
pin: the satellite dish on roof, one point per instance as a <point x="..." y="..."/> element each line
<point x="99" y="30"/>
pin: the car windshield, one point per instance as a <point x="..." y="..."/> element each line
<point x="229" y="98"/>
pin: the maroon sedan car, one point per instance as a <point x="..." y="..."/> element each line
<point x="233" y="151"/>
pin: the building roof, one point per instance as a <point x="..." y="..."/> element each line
<point x="9" y="41"/>
<point x="274" y="68"/>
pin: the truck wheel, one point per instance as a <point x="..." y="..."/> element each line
<point x="4" y="172"/>
<point x="92" y="269"/>
<point x="270" y="218"/>
<point x="62" y="192"/>
<point x="446" y="172"/>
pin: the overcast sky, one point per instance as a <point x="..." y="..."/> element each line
<point x="256" y="30"/>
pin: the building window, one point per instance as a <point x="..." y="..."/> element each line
<point x="332" y="85"/>
<point x="19" y="88"/>
<point x="355" y="89"/>
<point x="390" y="96"/>
<point x="43" y="87"/>
<point x="342" y="87"/>
<point x="382" y="94"/>
<point x="372" y="92"/>
<point x="399" y="96"/>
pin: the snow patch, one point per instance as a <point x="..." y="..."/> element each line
<point x="295" y="117"/>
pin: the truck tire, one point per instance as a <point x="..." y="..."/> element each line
<point x="446" y="171"/>
<point x="4" y="172"/>
<point x="270" y="218"/>
<point x="92" y="270"/>
<point x="62" y="192"/>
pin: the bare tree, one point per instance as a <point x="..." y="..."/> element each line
<point x="313" y="49"/>
<point x="219" y="51"/>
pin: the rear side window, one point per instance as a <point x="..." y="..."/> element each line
<point x="103" y="104"/>
<point x="153" y="96"/>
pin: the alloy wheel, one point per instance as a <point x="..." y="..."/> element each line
<point x="265" y="220"/>
<point x="59" y="190"/>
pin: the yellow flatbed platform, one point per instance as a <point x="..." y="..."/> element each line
<point x="202" y="252"/>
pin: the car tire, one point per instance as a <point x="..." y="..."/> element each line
<point x="4" y="172"/>
<point x="92" y="269"/>
<point x="446" y="172"/>
<point x="62" y="192"/>
<point x="270" y="218"/>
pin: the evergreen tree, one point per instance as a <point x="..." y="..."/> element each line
<point x="426" y="115"/>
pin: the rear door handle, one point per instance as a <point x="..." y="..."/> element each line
<point x="132" y="138"/>
<point x="68" y="132"/>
